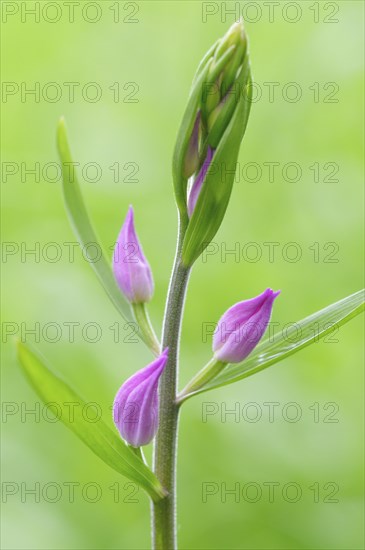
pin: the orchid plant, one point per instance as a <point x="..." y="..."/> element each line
<point x="147" y="405"/>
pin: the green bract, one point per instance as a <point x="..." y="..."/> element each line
<point x="301" y="334"/>
<point x="101" y="439"/>
<point x="81" y="223"/>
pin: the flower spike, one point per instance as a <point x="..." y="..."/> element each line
<point x="208" y="142"/>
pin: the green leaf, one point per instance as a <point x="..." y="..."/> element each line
<point x="298" y="336"/>
<point x="106" y="444"/>
<point x="82" y="226"/>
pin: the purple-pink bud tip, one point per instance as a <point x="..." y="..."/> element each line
<point x="131" y="269"/>
<point x="241" y="328"/>
<point x="198" y="182"/>
<point x="135" y="409"/>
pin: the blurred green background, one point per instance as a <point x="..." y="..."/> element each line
<point x="156" y="46"/>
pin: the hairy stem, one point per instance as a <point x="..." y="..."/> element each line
<point x="165" y="450"/>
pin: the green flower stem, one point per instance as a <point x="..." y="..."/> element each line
<point x="165" y="449"/>
<point x="206" y="374"/>
<point x="141" y="316"/>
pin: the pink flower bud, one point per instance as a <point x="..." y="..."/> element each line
<point x="241" y="328"/>
<point x="135" y="409"/>
<point x="131" y="269"/>
<point x="198" y="182"/>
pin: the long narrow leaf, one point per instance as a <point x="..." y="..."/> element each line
<point x="106" y="444"/>
<point x="298" y="336"/>
<point x="82" y="226"/>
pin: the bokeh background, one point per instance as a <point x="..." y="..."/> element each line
<point x="156" y="46"/>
